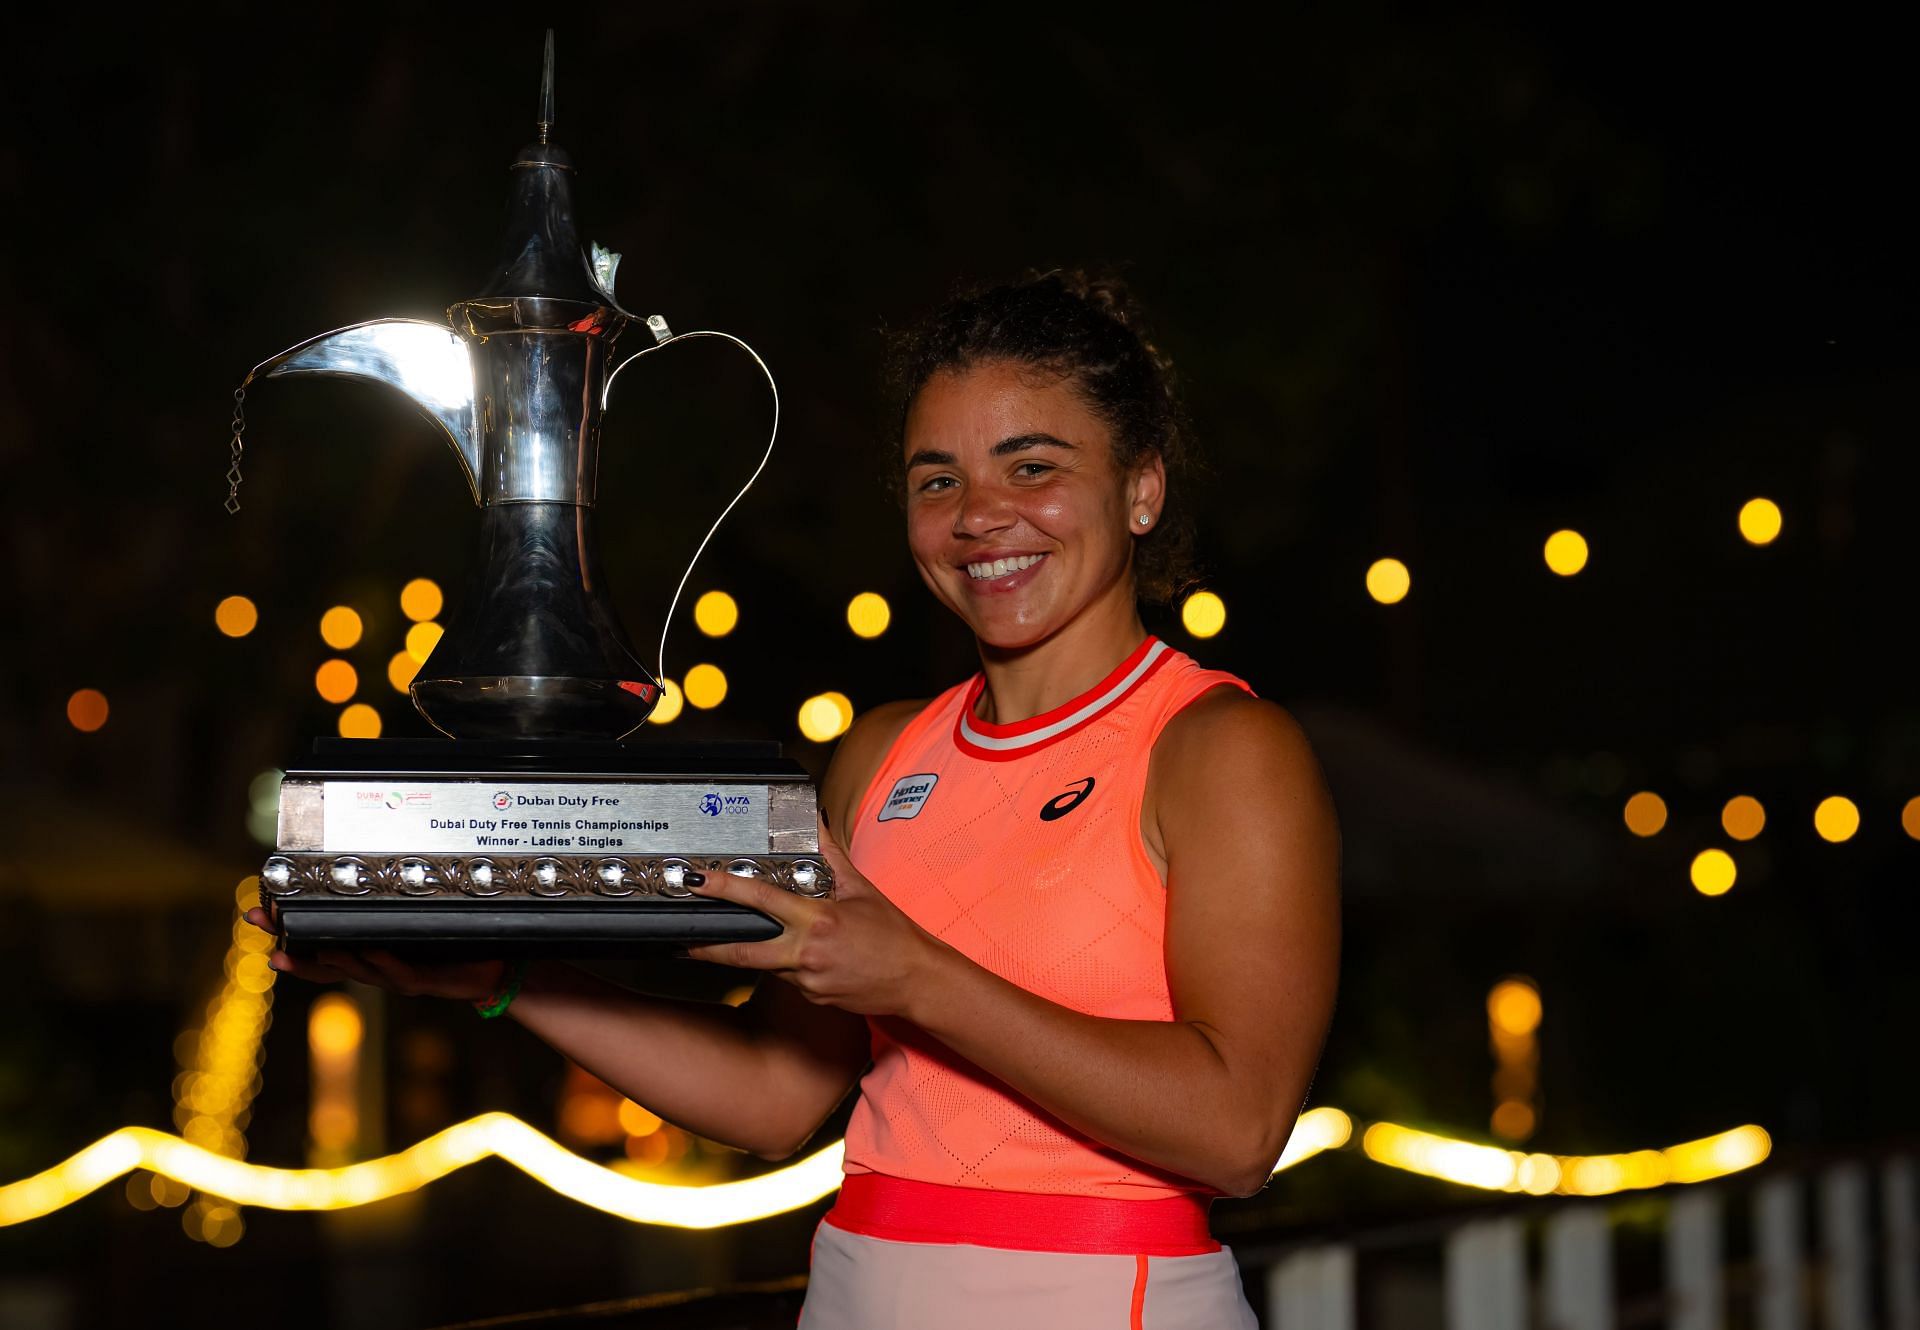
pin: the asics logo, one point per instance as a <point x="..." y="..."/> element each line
<point x="1062" y="804"/>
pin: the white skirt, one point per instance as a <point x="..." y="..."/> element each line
<point x="863" y="1283"/>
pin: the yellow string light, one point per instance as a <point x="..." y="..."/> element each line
<point x="722" y="1204"/>
<point x="1494" y="1169"/>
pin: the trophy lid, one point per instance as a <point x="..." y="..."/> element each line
<point x="542" y="255"/>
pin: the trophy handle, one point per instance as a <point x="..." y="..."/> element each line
<point x="665" y="337"/>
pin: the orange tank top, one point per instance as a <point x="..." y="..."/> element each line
<point x="1019" y="845"/>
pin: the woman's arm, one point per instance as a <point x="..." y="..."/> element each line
<point x="761" y="1077"/>
<point x="1252" y="948"/>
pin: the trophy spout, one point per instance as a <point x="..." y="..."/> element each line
<point x="424" y="362"/>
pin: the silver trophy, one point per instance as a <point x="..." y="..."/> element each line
<point x="538" y="823"/>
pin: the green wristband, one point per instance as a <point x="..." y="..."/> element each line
<point x="500" y="1001"/>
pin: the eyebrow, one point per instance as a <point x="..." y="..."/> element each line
<point x="1019" y="443"/>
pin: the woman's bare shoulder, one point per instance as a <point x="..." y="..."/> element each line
<point x="858" y="756"/>
<point x="1229" y="739"/>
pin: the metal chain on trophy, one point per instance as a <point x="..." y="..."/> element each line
<point x="239" y="428"/>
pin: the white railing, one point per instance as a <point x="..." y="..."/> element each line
<point x="1550" y="1265"/>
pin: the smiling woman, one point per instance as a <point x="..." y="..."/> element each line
<point x="1078" y="894"/>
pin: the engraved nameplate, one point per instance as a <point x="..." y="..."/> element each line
<point x="505" y="816"/>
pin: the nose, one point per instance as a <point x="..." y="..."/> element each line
<point x="982" y="511"/>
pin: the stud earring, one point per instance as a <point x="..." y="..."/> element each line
<point x="1145" y="518"/>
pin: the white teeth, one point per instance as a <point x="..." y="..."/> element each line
<point x="1001" y="567"/>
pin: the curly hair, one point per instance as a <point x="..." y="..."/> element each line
<point x="1088" y="329"/>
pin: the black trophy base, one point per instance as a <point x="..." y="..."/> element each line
<point x="452" y="930"/>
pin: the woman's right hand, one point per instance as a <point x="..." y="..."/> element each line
<point x="469" y="981"/>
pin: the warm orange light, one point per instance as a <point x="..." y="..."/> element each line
<point x="340" y="627"/>
<point x="1646" y="813"/>
<point x="1513" y="1007"/>
<point x="705" y="686"/>
<point x="422" y="638"/>
<point x="1513" y="1120"/>
<point x="359" y="721"/>
<point x="421" y="599"/>
<point x="636" y="1120"/>
<point x="235" y="616"/>
<point x="1837" y="818"/>
<point x="1760" y="521"/>
<point x="1910" y="818"/>
<point x="1388" y="581"/>
<point x="87" y="710"/>
<point x="401" y="669"/>
<point x="1203" y="614"/>
<point x="1566" y="552"/>
<point x="1743" y="817"/>
<point x="336" y="681"/>
<point x="868" y="614"/>
<point x="1713" y="872"/>
<point x="334" y="1026"/>
<point x="716" y="613"/>
<point x="671" y="702"/>
<point x="825" y="717"/>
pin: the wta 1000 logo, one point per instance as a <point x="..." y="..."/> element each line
<point x="715" y="804"/>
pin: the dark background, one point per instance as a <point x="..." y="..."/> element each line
<point x="1435" y="289"/>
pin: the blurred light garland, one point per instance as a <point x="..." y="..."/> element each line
<point x="722" y="1204"/>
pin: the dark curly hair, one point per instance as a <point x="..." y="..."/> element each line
<point x="1087" y="328"/>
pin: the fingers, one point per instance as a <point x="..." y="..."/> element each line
<point x="766" y="955"/>
<point x="790" y="910"/>
<point x="313" y="971"/>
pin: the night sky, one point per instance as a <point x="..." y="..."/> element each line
<point x="1435" y="289"/>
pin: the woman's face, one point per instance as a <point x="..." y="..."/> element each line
<point x="1018" y="516"/>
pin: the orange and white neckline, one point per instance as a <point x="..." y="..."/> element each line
<point x="1000" y="742"/>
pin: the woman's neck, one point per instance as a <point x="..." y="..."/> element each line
<point x="1028" y="681"/>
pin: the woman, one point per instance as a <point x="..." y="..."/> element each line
<point x="1086" y="925"/>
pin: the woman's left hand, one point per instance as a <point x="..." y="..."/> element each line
<point x="856" y="951"/>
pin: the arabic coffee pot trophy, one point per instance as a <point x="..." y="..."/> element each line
<point x="539" y="822"/>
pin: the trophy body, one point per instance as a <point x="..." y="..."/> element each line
<point x="538" y="822"/>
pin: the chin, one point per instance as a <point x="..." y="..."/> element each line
<point x="1006" y="634"/>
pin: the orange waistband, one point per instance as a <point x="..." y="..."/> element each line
<point x="902" y="1210"/>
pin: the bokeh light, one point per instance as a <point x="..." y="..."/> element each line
<point x="1836" y="818"/>
<point x="636" y="1120"/>
<point x="1910" y="818"/>
<point x="716" y="613"/>
<point x="87" y="710"/>
<point x="1713" y="872"/>
<point x="1646" y="813"/>
<point x="359" y="721"/>
<point x="336" y="680"/>
<point x="1743" y="817"/>
<point x="868" y="614"/>
<point x="672" y="700"/>
<point x="825" y="717"/>
<point x="421" y="599"/>
<point x="340" y="628"/>
<point x="705" y="686"/>
<point x="1203" y="614"/>
<point x="1513" y="1120"/>
<point x="1513" y="1006"/>
<point x="401" y="669"/>
<point x="1760" y="521"/>
<point x="334" y="1026"/>
<point x="236" y="616"/>
<point x="422" y="638"/>
<point x="1566" y="552"/>
<point x="1388" y="581"/>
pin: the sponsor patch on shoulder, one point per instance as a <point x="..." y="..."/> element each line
<point x="909" y="796"/>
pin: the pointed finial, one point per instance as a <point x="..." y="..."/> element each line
<point x="546" y="89"/>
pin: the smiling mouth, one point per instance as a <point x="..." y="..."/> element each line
<point x="998" y="568"/>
